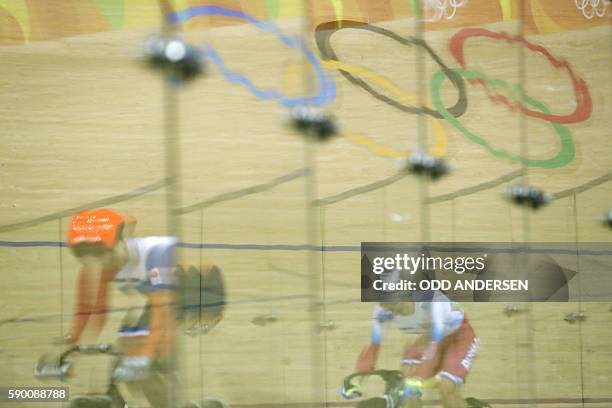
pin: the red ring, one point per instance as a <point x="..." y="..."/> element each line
<point x="584" y="104"/>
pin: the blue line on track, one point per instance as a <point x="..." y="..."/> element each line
<point x="332" y="248"/>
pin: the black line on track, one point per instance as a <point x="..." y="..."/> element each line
<point x="234" y="195"/>
<point x="93" y="204"/>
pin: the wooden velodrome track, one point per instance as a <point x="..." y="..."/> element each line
<point x="82" y="122"/>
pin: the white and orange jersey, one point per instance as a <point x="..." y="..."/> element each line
<point x="150" y="270"/>
<point x="153" y="265"/>
<point x="441" y="317"/>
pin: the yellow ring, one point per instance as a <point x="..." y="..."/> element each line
<point x="437" y="150"/>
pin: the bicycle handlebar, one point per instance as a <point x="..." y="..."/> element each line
<point x="96" y="348"/>
<point x="61" y="367"/>
<point x="390" y="377"/>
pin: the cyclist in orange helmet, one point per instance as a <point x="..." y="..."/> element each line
<point x="101" y="240"/>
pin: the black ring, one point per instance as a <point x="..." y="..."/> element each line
<point x="323" y="34"/>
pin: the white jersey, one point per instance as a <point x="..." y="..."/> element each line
<point x="154" y="266"/>
<point x="441" y="317"/>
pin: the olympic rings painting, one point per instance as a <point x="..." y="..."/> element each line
<point x="584" y="105"/>
<point x="498" y="91"/>
<point x="323" y="35"/>
<point x="563" y="157"/>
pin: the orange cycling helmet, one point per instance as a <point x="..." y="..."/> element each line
<point x="97" y="226"/>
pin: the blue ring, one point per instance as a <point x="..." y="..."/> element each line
<point x="327" y="87"/>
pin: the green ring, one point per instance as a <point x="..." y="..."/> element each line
<point x="566" y="153"/>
